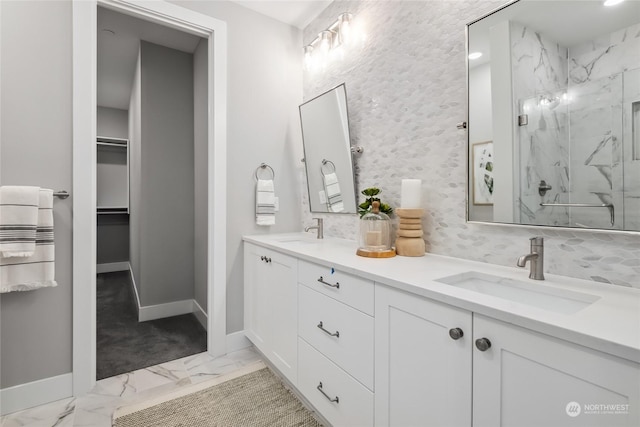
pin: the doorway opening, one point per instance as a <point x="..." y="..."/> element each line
<point x="151" y="197"/>
<point x="85" y="171"/>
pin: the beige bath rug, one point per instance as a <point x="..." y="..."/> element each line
<point x="251" y="397"/>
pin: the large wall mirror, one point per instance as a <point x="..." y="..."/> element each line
<point x="554" y="115"/>
<point x="327" y="152"/>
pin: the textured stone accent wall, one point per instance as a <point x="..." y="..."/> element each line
<point x="406" y="91"/>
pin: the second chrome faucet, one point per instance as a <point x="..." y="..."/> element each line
<point x="535" y="258"/>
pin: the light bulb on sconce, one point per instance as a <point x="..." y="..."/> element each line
<point x="344" y="28"/>
<point x="325" y="42"/>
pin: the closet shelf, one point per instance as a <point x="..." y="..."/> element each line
<point x="105" y="140"/>
<point x="113" y="210"/>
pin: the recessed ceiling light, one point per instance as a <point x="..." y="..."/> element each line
<point x="475" y="55"/>
<point x="612" y="2"/>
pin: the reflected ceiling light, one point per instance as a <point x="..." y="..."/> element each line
<point x="612" y="2"/>
<point x="475" y="55"/>
<point x="330" y="44"/>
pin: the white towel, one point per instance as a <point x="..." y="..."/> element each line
<point x="265" y="202"/>
<point x="37" y="270"/>
<point x="18" y="220"/>
<point x="332" y="190"/>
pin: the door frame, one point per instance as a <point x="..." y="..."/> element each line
<point x="84" y="170"/>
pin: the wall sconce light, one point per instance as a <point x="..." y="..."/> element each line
<point x="338" y="36"/>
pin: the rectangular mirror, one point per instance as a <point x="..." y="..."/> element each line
<point x="327" y="153"/>
<point x="554" y="115"/>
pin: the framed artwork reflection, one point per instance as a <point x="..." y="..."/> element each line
<point x="482" y="158"/>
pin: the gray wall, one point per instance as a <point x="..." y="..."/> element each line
<point x="264" y="91"/>
<point x="407" y="91"/>
<point x="265" y="88"/>
<point x="167" y="175"/>
<point x="113" y="230"/>
<point x="112" y="122"/>
<point x="200" y="151"/>
<point x="35" y="141"/>
<point x="113" y="238"/>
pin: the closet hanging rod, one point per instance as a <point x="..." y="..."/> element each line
<point x="62" y="194"/>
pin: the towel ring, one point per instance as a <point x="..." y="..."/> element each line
<point x="327" y="162"/>
<point x="265" y="166"/>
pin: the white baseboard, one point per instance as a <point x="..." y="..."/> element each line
<point x="110" y="267"/>
<point x="200" y="314"/>
<point x="159" y="311"/>
<point x="135" y="289"/>
<point x="24" y="396"/>
<point x="237" y="341"/>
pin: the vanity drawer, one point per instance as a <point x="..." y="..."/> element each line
<point x="354" y="405"/>
<point x="346" y="337"/>
<point x="344" y="287"/>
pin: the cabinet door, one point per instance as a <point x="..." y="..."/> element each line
<point x="256" y="311"/>
<point x="271" y="300"/>
<point x="422" y="375"/>
<point x="529" y="379"/>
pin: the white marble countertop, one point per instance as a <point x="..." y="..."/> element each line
<point x="611" y="324"/>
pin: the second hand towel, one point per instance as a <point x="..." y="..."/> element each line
<point x="265" y="202"/>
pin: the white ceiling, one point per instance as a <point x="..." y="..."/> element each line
<point x="298" y="13"/>
<point x="117" y="53"/>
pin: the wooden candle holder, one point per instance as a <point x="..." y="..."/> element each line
<point x="409" y="241"/>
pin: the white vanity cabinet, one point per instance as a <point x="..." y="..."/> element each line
<point x="335" y="344"/>
<point x="385" y="343"/>
<point x="271" y="305"/>
<point x="529" y="379"/>
<point x="490" y="373"/>
<point x="423" y="361"/>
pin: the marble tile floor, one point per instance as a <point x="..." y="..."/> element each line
<point x="96" y="408"/>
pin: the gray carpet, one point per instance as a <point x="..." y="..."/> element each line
<point x="124" y="344"/>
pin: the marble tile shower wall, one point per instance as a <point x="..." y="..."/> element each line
<point x="540" y="74"/>
<point x="406" y="91"/>
<point x="603" y="84"/>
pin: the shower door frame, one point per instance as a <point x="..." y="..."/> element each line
<point x="84" y="170"/>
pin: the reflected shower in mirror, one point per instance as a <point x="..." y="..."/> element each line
<point x="327" y="153"/>
<point x="554" y="99"/>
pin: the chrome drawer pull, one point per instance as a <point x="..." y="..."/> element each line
<point x="337" y="285"/>
<point x="337" y="400"/>
<point x="336" y="334"/>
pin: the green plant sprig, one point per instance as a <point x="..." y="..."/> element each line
<point x="371" y="194"/>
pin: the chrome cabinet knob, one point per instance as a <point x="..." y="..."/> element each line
<point x="483" y="344"/>
<point x="456" y="333"/>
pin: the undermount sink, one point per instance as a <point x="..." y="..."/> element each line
<point x="533" y="294"/>
<point x="295" y="239"/>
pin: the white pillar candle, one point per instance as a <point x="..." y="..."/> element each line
<point x="410" y="194"/>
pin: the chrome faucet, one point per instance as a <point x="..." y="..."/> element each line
<point x="319" y="227"/>
<point x="536" y="258"/>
